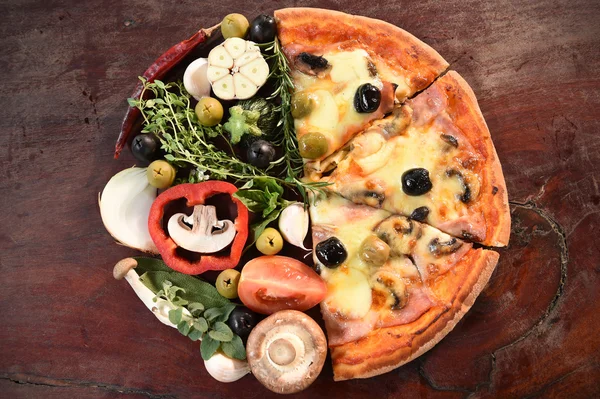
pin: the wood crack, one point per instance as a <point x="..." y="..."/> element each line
<point x="564" y="259"/>
<point x="28" y="379"/>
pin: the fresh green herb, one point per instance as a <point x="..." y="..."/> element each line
<point x="196" y="321"/>
<point x="265" y="197"/>
<point x="280" y="73"/>
<point x="186" y="142"/>
<point x="242" y="122"/>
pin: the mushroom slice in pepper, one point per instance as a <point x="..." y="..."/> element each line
<point x="200" y="237"/>
<point x="286" y="351"/>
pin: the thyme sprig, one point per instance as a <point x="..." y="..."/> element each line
<point x="168" y="114"/>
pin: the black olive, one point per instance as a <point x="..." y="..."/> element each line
<point x="420" y="214"/>
<point x="331" y="252"/>
<point x="241" y="321"/>
<point x="313" y="61"/>
<point x="450" y="140"/>
<point x="260" y="153"/>
<point x="416" y="182"/>
<point x="263" y="29"/>
<point x="367" y="98"/>
<point x="145" y="147"/>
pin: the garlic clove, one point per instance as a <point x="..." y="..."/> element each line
<point x="244" y="88"/>
<point x="220" y="57"/>
<point x="293" y="224"/>
<point x="235" y="47"/>
<point x="225" y="369"/>
<point x="224" y="88"/>
<point x="256" y="71"/>
<point x="195" y="79"/>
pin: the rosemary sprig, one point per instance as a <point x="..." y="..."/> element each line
<point x="284" y="87"/>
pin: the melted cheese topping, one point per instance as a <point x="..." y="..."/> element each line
<point x="379" y="162"/>
<point x="333" y="93"/>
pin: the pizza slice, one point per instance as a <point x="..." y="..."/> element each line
<point x="396" y="286"/>
<point x="432" y="159"/>
<point x="348" y="71"/>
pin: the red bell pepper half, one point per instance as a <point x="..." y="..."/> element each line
<point x="197" y="194"/>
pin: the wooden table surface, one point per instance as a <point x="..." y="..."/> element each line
<point x="70" y="330"/>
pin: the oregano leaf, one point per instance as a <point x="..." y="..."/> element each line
<point x="175" y="315"/>
<point x="234" y="348"/>
<point x="208" y="347"/>
<point x="221" y="332"/>
<point x="184" y="327"/>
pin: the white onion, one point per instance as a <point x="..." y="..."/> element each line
<point x="125" y="205"/>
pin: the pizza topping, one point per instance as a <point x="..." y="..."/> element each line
<point x="367" y="98"/>
<point x="416" y="182"/>
<point x="420" y="214"/>
<point x="466" y="195"/>
<point x="286" y="351"/>
<point x="302" y="105"/>
<point x="374" y="251"/>
<point x="311" y="64"/>
<point x="312" y="145"/>
<point x="449" y="139"/>
<point x="391" y="287"/>
<point x="439" y="248"/>
<point x="349" y="293"/>
<point x="331" y="252"/>
<point x="236" y="69"/>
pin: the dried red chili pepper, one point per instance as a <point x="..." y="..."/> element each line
<point x="197" y="194"/>
<point x="157" y="70"/>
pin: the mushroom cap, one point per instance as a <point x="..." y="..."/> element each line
<point x="286" y="351"/>
<point x="123" y="267"/>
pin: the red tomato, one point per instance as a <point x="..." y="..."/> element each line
<point x="272" y="283"/>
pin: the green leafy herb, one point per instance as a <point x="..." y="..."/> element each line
<point x="242" y="122"/>
<point x="264" y="196"/>
<point x="199" y="321"/>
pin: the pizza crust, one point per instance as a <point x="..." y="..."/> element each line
<point x="468" y="117"/>
<point x="399" y="50"/>
<point x="388" y="348"/>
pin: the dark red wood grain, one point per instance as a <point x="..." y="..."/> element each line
<point x="70" y="330"/>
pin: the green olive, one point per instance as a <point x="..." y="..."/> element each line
<point x="234" y="25"/>
<point x="269" y="242"/>
<point x="302" y="105"/>
<point x="227" y="283"/>
<point x="160" y="174"/>
<point x="374" y="251"/>
<point x="209" y="111"/>
<point x="313" y="145"/>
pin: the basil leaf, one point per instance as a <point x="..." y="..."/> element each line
<point x="208" y="347"/>
<point x="150" y="264"/>
<point x="234" y="348"/>
<point x="271" y="205"/>
<point x="175" y="315"/>
<point x="195" y="335"/>
<point x="196" y="290"/>
<point x="221" y="332"/>
<point x="254" y="200"/>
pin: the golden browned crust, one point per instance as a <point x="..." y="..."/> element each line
<point x="401" y="51"/>
<point x="466" y="114"/>
<point x="388" y="348"/>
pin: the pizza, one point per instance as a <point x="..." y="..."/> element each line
<point x="412" y="182"/>
<point x="348" y="71"/>
<point x="401" y="287"/>
<point x="439" y="142"/>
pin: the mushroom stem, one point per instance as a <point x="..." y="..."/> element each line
<point x="282" y="352"/>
